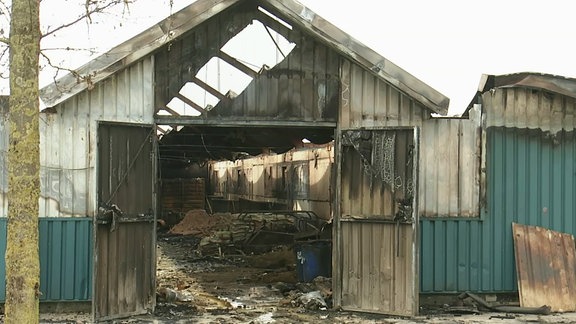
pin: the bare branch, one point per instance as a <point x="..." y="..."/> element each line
<point x="79" y="78"/>
<point x="86" y="15"/>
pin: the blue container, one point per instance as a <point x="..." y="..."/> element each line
<point x="313" y="259"/>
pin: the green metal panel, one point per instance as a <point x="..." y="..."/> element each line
<point x="531" y="179"/>
<point x="65" y="259"/>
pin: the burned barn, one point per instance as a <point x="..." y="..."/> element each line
<point x="328" y="126"/>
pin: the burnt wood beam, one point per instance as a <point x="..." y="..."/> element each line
<point x="238" y="122"/>
<point x="208" y="88"/>
<point x="237" y="64"/>
<point x="169" y="110"/>
<point x="191" y="103"/>
<point x="274" y="24"/>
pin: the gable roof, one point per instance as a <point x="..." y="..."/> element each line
<point x="186" y="19"/>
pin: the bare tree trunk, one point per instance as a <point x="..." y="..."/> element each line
<point x="22" y="260"/>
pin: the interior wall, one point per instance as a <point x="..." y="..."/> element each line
<point x="299" y="179"/>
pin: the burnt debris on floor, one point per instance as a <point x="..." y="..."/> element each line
<point x="249" y="261"/>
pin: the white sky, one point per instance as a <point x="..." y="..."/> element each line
<point x="448" y="44"/>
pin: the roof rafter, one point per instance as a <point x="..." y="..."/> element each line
<point x="208" y="88"/>
<point x="237" y="64"/>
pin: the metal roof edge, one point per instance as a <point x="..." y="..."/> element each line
<point x="533" y="80"/>
<point x="131" y="50"/>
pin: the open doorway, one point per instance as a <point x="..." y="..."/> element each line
<point x="245" y="169"/>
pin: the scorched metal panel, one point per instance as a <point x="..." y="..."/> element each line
<point x="546" y="266"/>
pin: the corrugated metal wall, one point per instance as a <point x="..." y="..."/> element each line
<point x="68" y="138"/>
<point x="385" y="284"/>
<point x="529" y="108"/>
<point x="530" y="175"/>
<point x="450" y="167"/>
<point x="450" y="148"/>
<point x="65" y="259"/>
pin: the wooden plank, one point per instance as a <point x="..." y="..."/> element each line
<point x="546" y="267"/>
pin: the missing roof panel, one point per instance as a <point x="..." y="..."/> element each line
<point x="269" y="14"/>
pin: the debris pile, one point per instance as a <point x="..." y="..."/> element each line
<point x="254" y="231"/>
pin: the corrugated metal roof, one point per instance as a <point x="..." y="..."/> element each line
<point x="546" y="267"/>
<point x="532" y="80"/>
<point x="293" y="12"/>
<point x="553" y="83"/>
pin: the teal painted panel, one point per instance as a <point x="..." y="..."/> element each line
<point x="531" y="179"/>
<point x="65" y="259"/>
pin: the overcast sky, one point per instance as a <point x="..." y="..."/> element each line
<point x="448" y="44"/>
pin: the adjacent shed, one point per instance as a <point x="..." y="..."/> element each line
<point x="528" y="176"/>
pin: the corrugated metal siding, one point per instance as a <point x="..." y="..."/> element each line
<point x="531" y="179"/>
<point x="450" y="148"/>
<point x="368" y="101"/>
<point x="68" y="138"/>
<point x="3" y="167"/>
<point x="65" y="259"/>
<point x="450" y="167"/>
<point x="376" y="267"/>
<point x="303" y="87"/>
<point x="529" y="108"/>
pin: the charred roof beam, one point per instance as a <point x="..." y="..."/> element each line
<point x="239" y="122"/>
<point x="208" y="88"/>
<point x="237" y="64"/>
<point x="190" y="103"/>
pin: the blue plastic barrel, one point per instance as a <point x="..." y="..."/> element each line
<point x="313" y="259"/>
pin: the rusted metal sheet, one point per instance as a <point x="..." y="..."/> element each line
<point x="546" y="267"/>
<point x="68" y="138"/>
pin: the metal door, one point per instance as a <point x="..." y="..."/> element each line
<point x="125" y="259"/>
<point x="376" y="240"/>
